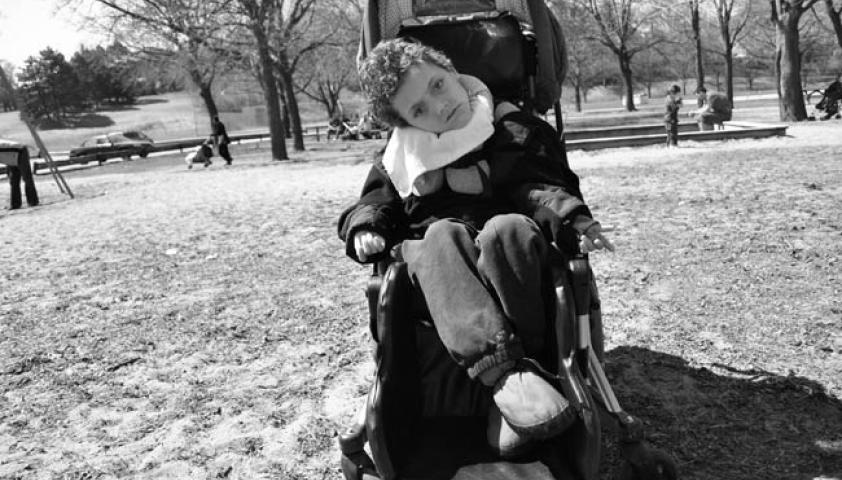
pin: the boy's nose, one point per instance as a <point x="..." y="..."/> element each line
<point x="442" y="108"/>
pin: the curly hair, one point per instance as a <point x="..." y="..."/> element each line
<point x="383" y="70"/>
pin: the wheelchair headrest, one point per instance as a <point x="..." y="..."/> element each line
<point x="489" y="47"/>
<point x="490" y="59"/>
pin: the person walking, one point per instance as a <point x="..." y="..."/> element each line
<point x="673" y="103"/>
<point x="16" y="158"/>
<point x="221" y="140"/>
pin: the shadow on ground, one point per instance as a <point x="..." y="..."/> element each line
<point x="150" y="101"/>
<point x="728" y="423"/>
<point x="87" y="120"/>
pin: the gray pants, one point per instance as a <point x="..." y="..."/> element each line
<point x="23" y="171"/>
<point x="484" y="289"/>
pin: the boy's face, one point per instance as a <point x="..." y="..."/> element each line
<point x="432" y="99"/>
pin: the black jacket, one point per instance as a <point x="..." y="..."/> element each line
<point x="527" y="170"/>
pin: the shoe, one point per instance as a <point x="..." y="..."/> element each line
<point x="530" y="405"/>
<point x="502" y="438"/>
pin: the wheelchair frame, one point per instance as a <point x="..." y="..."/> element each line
<point x="579" y="373"/>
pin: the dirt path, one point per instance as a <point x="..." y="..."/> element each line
<point x="205" y="324"/>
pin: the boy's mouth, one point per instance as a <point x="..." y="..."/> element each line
<point x="453" y="112"/>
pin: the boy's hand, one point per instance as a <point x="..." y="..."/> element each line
<point x="593" y="239"/>
<point x="368" y="243"/>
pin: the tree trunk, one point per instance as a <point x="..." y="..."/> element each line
<point x="270" y="92"/>
<point x="205" y="92"/>
<point x="207" y="97"/>
<point x="697" y="39"/>
<point x="292" y="106"/>
<point x="626" y="70"/>
<point x="729" y="73"/>
<point x="835" y="20"/>
<point x="577" y="89"/>
<point x="788" y="58"/>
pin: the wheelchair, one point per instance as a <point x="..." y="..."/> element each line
<point x="424" y="419"/>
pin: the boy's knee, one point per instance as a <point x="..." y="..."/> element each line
<point x="444" y="230"/>
<point x="512" y="225"/>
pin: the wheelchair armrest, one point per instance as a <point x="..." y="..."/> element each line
<point x="580" y="282"/>
<point x="372" y="292"/>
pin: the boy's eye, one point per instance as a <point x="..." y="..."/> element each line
<point x="438" y="84"/>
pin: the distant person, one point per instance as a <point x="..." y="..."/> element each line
<point x="716" y="110"/>
<point x="701" y="97"/>
<point x="673" y="103"/>
<point x="16" y="158"/>
<point x="221" y="140"/>
<point x="829" y="104"/>
<point x="201" y="154"/>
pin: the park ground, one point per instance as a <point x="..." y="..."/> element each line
<point x="174" y="323"/>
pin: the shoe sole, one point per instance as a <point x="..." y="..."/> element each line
<point x="553" y="426"/>
<point x="549" y="428"/>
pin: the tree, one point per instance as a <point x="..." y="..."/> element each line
<point x="106" y="74"/>
<point x="625" y="29"/>
<point x="757" y="49"/>
<point x="816" y="45"/>
<point x="835" y="15"/>
<point x="189" y="33"/>
<point x="49" y="86"/>
<point x="695" y="27"/>
<point x="7" y="94"/>
<point x="786" y="15"/>
<point x="730" y="33"/>
<point x="259" y="16"/>
<point x="657" y="64"/>
<point x="324" y="72"/>
<point x="586" y="61"/>
<point x="292" y="36"/>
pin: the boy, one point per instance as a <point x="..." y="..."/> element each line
<point x="673" y="103"/>
<point x="474" y="207"/>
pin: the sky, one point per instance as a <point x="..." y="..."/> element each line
<point x="29" y="26"/>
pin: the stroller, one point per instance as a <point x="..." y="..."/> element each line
<point x="829" y="104"/>
<point x="424" y="418"/>
<point x="200" y="155"/>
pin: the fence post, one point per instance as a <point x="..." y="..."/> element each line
<point x="318" y="139"/>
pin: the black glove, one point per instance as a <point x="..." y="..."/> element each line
<point x="558" y="230"/>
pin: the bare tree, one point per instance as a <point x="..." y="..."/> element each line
<point x="291" y="37"/>
<point x="190" y="33"/>
<point x="731" y="32"/>
<point x="786" y="15"/>
<point x="325" y="72"/>
<point x="586" y="62"/>
<point x="625" y="28"/>
<point x="835" y="15"/>
<point x="259" y="19"/>
<point x="695" y="27"/>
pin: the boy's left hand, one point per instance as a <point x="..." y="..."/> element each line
<point x="593" y="239"/>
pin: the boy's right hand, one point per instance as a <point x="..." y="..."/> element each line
<point x="368" y="243"/>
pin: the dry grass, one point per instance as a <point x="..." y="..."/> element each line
<point x="204" y="324"/>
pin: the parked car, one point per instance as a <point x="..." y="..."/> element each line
<point x="114" y="145"/>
